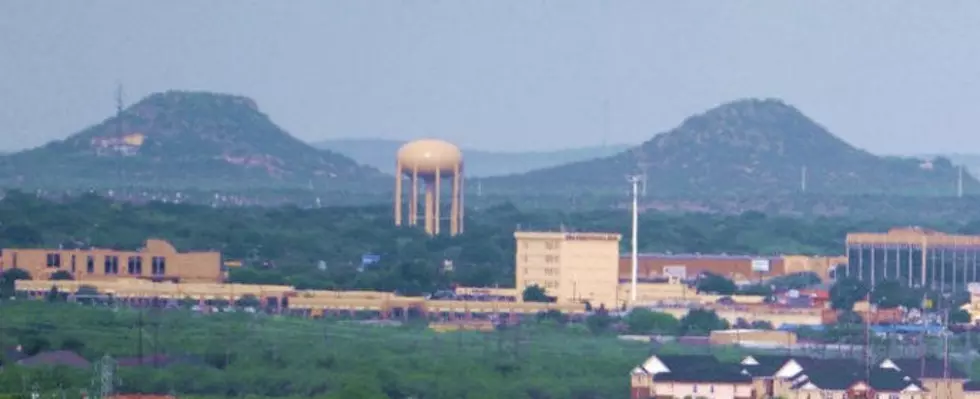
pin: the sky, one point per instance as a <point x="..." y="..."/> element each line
<point x="888" y="76"/>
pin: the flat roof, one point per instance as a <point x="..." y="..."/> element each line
<point x="700" y="256"/>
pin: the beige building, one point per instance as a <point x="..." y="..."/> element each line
<point x="157" y="260"/>
<point x="571" y="267"/>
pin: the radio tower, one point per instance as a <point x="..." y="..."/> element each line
<point x="119" y="109"/>
<point x="105" y="371"/>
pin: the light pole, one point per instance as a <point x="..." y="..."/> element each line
<point x="635" y="181"/>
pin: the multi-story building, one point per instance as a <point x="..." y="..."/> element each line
<point x="571" y="267"/>
<point x="157" y="260"/>
<point x="915" y="256"/>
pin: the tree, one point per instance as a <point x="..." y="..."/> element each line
<point x="534" y="293"/>
<point x="959" y="316"/>
<point x="846" y="292"/>
<point x="646" y="321"/>
<point x="715" y="284"/>
<point x="700" y="322"/>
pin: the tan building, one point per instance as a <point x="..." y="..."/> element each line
<point x="823" y="266"/>
<point x="914" y="256"/>
<point x="571" y="267"/>
<point x="157" y="260"/>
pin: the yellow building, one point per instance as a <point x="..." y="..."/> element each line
<point x="571" y="267"/>
<point x="157" y="260"/>
<point x="915" y="256"/>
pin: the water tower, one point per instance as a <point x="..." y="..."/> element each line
<point x="431" y="161"/>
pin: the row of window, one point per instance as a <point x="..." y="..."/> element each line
<point x="943" y="268"/>
<point x="134" y="264"/>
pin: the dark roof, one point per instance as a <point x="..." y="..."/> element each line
<point x="700" y="368"/>
<point x="971" y="386"/>
<point x="55" y="358"/>
<point x="679" y="362"/>
<point x="768" y="364"/>
<point x="933" y="368"/>
<point x="840" y="377"/>
<point x="719" y="374"/>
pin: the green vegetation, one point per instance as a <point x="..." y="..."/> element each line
<point x="286" y="245"/>
<point x="238" y="354"/>
<point x="748" y="147"/>
<point x="190" y="140"/>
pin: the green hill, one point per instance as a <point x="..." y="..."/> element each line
<point x="746" y="147"/>
<point x="380" y="154"/>
<point x="180" y="140"/>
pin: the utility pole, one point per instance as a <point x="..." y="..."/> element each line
<point x="139" y="334"/>
<point x="635" y="181"/>
<point x="105" y="372"/>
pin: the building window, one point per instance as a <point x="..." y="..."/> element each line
<point x="551" y="258"/>
<point x="90" y="264"/>
<point x="551" y="244"/>
<point x="695" y="389"/>
<point x="111" y="265"/>
<point x="159" y="266"/>
<point x="15" y="260"/>
<point x="134" y="265"/>
<point x="54" y="260"/>
<point x="73" y="263"/>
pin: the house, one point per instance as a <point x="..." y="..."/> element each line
<point x="942" y="381"/>
<point x="832" y="382"/>
<point x="679" y="376"/>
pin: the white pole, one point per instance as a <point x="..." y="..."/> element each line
<point x="635" y="180"/>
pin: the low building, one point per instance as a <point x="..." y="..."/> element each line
<point x="158" y="260"/>
<point x="688" y="266"/>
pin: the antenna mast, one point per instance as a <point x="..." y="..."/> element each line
<point x="119" y="108"/>
<point x="635" y="181"/>
<point x="959" y="183"/>
<point x="803" y="179"/>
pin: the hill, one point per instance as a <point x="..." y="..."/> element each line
<point x="181" y="139"/>
<point x="379" y="153"/>
<point x="747" y="147"/>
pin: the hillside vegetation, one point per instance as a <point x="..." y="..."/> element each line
<point x="748" y="147"/>
<point x="178" y="140"/>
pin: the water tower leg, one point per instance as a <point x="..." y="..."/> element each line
<point x="462" y="195"/>
<point x="454" y="206"/>
<point x="438" y="193"/>
<point x="413" y="203"/>
<point x="428" y="207"/>
<point x="398" y="194"/>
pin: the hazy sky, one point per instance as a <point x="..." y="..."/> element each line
<point x="890" y="76"/>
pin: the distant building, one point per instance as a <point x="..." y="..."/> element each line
<point x="915" y="256"/>
<point x="735" y="267"/>
<point x="571" y="267"/>
<point x="688" y="266"/>
<point x="157" y="260"/>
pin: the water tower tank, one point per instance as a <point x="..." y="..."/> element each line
<point x="427" y="156"/>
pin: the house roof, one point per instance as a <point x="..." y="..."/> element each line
<point x="971" y="386"/>
<point x="841" y="377"/>
<point x="933" y="367"/>
<point x="765" y="365"/>
<point x="53" y="358"/>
